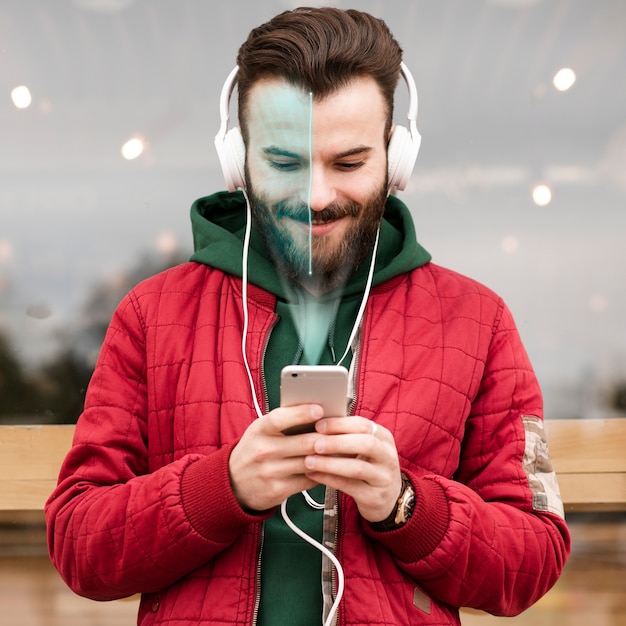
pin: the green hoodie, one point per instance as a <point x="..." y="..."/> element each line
<point x="309" y="330"/>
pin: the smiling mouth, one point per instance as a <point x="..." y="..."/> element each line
<point x="317" y="227"/>
<point x="306" y="222"/>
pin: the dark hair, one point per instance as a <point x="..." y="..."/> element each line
<point x="319" y="50"/>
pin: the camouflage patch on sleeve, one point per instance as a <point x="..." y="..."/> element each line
<point x="539" y="470"/>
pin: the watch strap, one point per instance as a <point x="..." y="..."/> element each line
<point x="403" y="510"/>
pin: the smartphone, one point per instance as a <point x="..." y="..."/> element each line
<point x="326" y="385"/>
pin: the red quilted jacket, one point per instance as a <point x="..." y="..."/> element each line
<point x="144" y="503"/>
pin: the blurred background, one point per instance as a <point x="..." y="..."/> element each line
<point x="108" y="110"/>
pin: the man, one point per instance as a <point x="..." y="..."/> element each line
<point x="435" y="492"/>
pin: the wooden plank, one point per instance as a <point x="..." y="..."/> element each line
<point x="30" y="458"/>
<point x="593" y="491"/>
<point x="582" y="446"/>
<point x="25" y="495"/>
<point x="35" y="448"/>
<point x="589" y="457"/>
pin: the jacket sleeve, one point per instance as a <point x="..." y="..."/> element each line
<point x="494" y="537"/>
<point x="116" y="528"/>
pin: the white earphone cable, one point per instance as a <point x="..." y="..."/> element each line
<point x="366" y="292"/>
<point x="244" y="296"/>
<point x="324" y="550"/>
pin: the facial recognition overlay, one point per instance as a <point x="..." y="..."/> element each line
<point x="279" y="176"/>
<point x="316" y="234"/>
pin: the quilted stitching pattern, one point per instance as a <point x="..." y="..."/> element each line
<point x="441" y="366"/>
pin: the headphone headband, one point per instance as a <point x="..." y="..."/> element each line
<point x="401" y="152"/>
<point x="410" y="84"/>
<point x="227" y="91"/>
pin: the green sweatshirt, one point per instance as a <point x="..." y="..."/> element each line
<point x="309" y="330"/>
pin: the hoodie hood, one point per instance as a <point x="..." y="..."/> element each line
<point x="218" y="225"/>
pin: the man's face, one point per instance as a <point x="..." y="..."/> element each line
<point x="316" y="174"/>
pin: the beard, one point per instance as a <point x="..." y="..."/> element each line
<point x="317" y="262"/>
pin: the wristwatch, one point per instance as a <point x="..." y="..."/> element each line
<point x="403" y="510"/>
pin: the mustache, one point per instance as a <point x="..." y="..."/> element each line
<point x="303" y="213"/>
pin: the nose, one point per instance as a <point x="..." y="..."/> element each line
<point x="322" y="191"/>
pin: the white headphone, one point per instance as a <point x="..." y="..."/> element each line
<point x="401" y="151"/>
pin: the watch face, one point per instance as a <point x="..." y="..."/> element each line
<point x="406" y="503"/>
<point x="403" y="510"/>
<point x="408" y="509"/>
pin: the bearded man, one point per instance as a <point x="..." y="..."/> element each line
<point x="434" y="492"/>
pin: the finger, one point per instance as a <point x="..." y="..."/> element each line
<point x="265" y="449"/>
<point x="292" y="420"/>
<point x="362" y="445"/>
<point x="343" y="468"/>
<point x="351" y="424"/>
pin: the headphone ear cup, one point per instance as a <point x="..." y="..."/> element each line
<point x="401" y="156"/>
<point x="231" y="152"/>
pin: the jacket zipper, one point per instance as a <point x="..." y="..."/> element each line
<point x="257" y="599"/>
<point x="333" y="578"/>
<point x="354" y="367"/>
<point x="266" y="404"/>
<point x="266" y="398"/>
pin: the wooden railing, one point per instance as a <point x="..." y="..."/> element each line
<point x="590" y="461"/>
<point x="589" y="457"/>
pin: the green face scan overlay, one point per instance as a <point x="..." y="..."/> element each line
<point x="280" y="176"/>
<point x="279" y="183"/>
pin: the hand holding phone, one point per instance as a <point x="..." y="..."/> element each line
<point x="326" y="385"/>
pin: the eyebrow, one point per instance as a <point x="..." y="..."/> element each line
<point x="276" y="151"/>
<point x="354" y="151"/>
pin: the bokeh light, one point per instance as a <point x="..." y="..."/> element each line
<point x="510" y="244"/>
<point x="21" y="97"/>
<point x="133" y="148"/>
<point x="564" y="79"/>
<point x="542" y="195"/>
